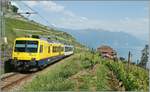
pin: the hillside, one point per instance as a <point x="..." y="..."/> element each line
<point x="18" y="28"/>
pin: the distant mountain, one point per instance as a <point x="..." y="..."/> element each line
<point x="95" y="37"/>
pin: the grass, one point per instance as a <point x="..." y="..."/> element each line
<point x="55" y="78"/>
<point x="69" y="76"/>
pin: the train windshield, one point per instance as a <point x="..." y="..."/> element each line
<point x="67" y="49"/>
<point x="26" y="46"/>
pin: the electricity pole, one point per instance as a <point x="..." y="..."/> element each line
<point x="3" y="6"/>
<point x="129" y="60"/>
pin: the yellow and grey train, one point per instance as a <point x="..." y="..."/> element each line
<point x="35" y="52"/>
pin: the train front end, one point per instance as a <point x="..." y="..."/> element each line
<point x="25" y="52"/>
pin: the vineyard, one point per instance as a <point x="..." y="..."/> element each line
<point x="78" y="72"/>
<point x="88" y="72"/>
<point x="134" y="78"/>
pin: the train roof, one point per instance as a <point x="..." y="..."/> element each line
<point x="68" y="45"/>
<point x="26" y="38"/>
<point x="38" y="39"/>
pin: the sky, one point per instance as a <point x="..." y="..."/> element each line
<point x="125" y="16"/>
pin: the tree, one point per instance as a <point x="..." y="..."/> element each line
<point x="122" y="58"/>
<point x="144" y="57"/>
<point x="14" y="8"/>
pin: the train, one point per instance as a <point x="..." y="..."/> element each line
<point x="29" y="52"/>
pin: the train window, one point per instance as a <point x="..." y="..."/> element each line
<point x="68" y="49"/>
<point x="20" y="46"/>
<point x="54" y="49"/>
<point x="41" y="48"/>
<point x="57" y="49"/>
<point x="26" y="46"/>
<point x="49" y="49"/>
<point x="31" y="46"/>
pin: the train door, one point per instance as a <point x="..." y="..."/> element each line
<point x="59" y="49"/>
<point x="41" y="51"/>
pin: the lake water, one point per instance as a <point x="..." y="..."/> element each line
<point x="135" y="51"/>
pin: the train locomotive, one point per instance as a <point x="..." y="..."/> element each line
<point x="29" y="52"/>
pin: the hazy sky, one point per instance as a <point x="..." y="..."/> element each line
<point x="126" y="16"/>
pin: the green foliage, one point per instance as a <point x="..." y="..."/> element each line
<point x="89" y="59"/>
<point x="14" y="9"/>
<point x="56" y="79"/>
<point x="144" y="57"/>
<point x="87" y="64"/>
<point x="134" y="78"/>
<point x="102" y="77"/>
<point x="59" y="78"/>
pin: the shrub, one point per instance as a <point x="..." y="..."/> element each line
<point x="133" y="79"/>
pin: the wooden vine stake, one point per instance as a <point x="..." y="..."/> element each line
<point x="129" y="61"/>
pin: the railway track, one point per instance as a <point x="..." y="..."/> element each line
<point x="7" y="76"/>
<point x="10" y="81"/>
<point x="15" y="79"/>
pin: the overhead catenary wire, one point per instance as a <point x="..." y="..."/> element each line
<point x="35" y="12"/>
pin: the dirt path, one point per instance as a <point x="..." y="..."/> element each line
<point x="114" y="83"/>
<point x="79" y="80"/>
